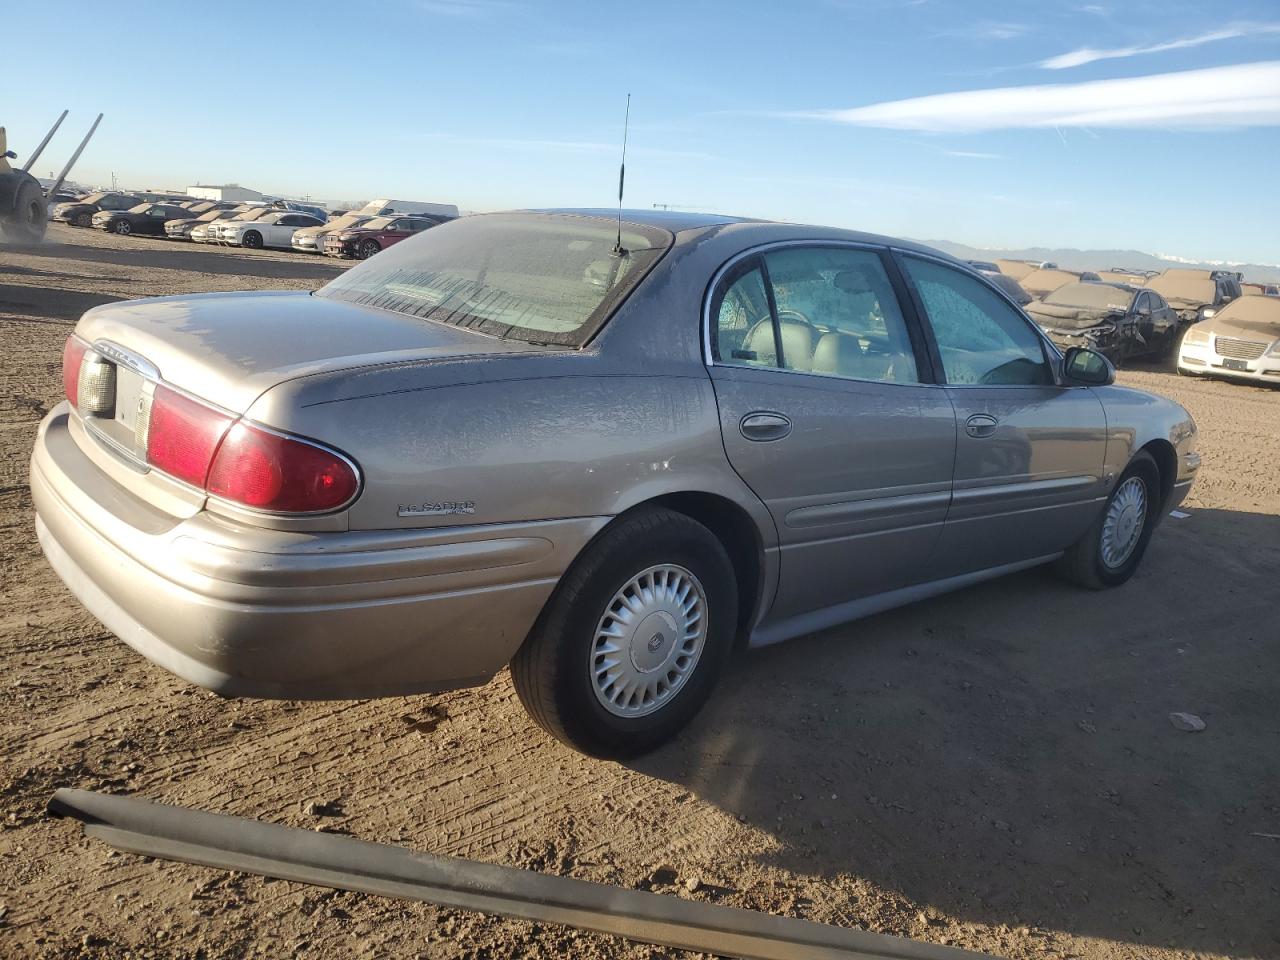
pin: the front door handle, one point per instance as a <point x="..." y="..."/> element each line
<point x="764" y="426"/>
<point x="981" y="425"/>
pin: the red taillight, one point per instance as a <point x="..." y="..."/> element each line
<point x="183" y="435"/>
<point x="268" y="471"/>
<point x="72" y="354"/>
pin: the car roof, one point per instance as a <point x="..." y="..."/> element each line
<point x="763" y="231"/>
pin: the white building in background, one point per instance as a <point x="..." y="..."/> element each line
<point x="223" y="191"/>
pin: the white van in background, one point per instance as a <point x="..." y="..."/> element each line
<point x="385" y="208"/>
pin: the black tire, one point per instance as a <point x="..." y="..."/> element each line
<point x="84" y="219"/>
<point x="27" y="222"/>
<point x="367" y="249"/>
<point x="1084" y="563"/>
<point x="123" y="227"/>
<point x="252" y="240"/>
<point x="553" y="672"/>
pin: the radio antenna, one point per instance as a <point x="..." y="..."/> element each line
<point x="622" y="179"/>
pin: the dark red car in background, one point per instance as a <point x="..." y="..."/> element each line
<point x="377" y="234"/>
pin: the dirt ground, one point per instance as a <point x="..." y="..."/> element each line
<point x="994" y="769"/>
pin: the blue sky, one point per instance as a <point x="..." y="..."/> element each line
<point x="828" y="111"/>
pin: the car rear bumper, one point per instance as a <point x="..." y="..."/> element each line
<point x="1203" y="359"/>
<point x="263" y="613"/>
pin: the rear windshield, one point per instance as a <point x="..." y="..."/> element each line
<point x="541" y="278"/>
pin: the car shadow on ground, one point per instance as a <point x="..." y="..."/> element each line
<point x="1005" y="753"/>
<point x="157" y="252"/>
<point x="48" y="302"/>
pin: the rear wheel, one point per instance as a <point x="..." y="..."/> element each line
<point x="1109" y="553"/>
<point x="123" y="227"/>
<point x="252" y="240"/>
<point x="367" y="249"/>
<point x="632" y="641"/>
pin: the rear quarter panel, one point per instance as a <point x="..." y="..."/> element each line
<point x="536" y="439"/>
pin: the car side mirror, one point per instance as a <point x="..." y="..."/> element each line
<point x="1088" y="367"/>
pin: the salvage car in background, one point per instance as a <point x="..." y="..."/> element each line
<point x="1016" y="268"/>
<point x="145" y="218"/>
<point x="597" y="449"/>
<point x="1241" y="341"/>
<point x="274" y="229"/>
<point x="311" y="239"/>
<point x="182" y="229"/>
<point x="80" y="212"/>
<point x="1196" y="294"/>
<point x="1117" y="321"/>
<point x="208" y="232"/>
<point x="364" y="241"/>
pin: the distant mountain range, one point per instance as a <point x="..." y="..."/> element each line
<point x="1070" y="259"/>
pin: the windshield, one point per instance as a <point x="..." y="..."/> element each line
<point x="1188" y="287"/>
<point x="345" y="221"/>
<point x="141" y="208"/>
<point x="542" y="278"/>
<point x="1099" y="296"/>
<point x="91" y="198"/>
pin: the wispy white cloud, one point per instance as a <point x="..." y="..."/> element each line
<point x="1245" y="95"/>
<point x="466" y="9"/>
<point x="1078" y="58"/>
<point x="973" y="155"/>
<point x="988" y="30"/>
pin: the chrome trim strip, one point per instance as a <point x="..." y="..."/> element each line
<point x="999" y="491"/>
<point x="870" y="508"/>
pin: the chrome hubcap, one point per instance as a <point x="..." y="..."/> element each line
<point x="648" y="641"/>
<point x="1122" y="526"/>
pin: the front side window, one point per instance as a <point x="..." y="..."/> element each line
<point x="838" y="314"/>
<point x="981" y="338"/>
<point x="832" y="311"/>
<point x="540" y="278"/>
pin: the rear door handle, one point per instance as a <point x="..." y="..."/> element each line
<point x="764" y="426"/>
<point x="981" y="425"/>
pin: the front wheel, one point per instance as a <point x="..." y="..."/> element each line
<point x="1109" y="553"/>
<point x="367" y="249"/>
<point x="632" y="641"/>
<point x="123" y="227"/>
<point x="84" y="219"/>
<point x="252" y="240"/>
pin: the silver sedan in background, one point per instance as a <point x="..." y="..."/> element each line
<point x="601" y="451"/>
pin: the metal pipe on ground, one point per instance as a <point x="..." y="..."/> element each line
<point x="344" y="863"/>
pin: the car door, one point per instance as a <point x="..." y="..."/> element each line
<point x="828" y="413"/>
<point x="1029" y="460"/>
<point x="280" y="233"/>
<point x="1142" y="315"/>
<point x="396" y="231"/>
<point x="154" y="220"/>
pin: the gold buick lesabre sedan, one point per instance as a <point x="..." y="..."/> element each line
<point x="605" y="452"/>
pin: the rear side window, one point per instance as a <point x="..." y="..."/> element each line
<point x="541" y="278"/>
<point x="981" y="338"/>
<point x="743" y="323"/>
<point x="826" y="310"/>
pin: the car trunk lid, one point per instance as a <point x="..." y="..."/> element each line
<point x="229" y="348"/>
